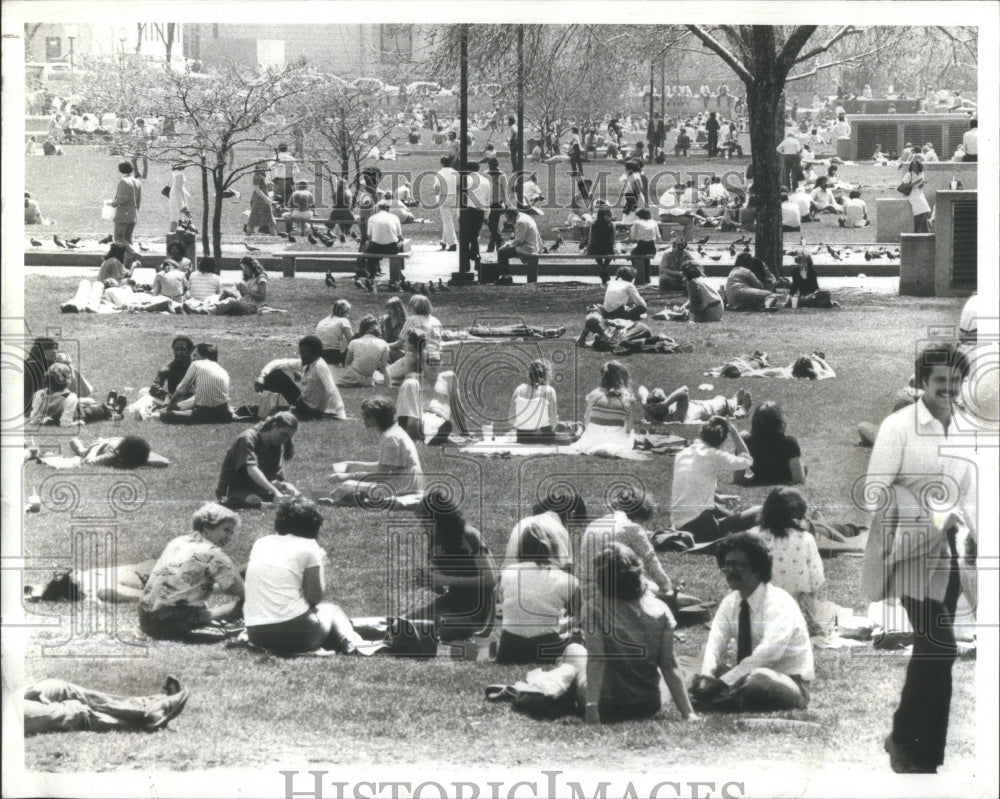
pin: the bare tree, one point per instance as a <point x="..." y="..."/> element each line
<point x="140" y="28"/>
<point x="168" y="41"/>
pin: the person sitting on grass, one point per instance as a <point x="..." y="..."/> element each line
<point x="392" y="324"/>
<point x="609" y="416"/>
<point x="805" y="286"/>
<point x="774" y="659"/>
<point x="170" y="376"/>
<point x="823" y="199"/>
<point x="421" y="349"/>
<point x="673" y="265"/>
<point x="335" y="332"/>
<point x="534" y="410"/>
<point x="367" y="354"/>
<point x="539" y="600"/>
<point x="695" y="505"/>
<point x="208" y="382"/>
<point x="855" y="211"/>
<point x="397" y="469"/>
<point x="121" y="452"/>
<point x="679" y="407"/>
<point x="797" y="565"/>
<point x="285" y="611"/>
<point x="621" y="298"/>
<point x="777" y="459"/>
<point x="170" y="282"/>
<point x="305" y="383"/>
<point x="617" y="671"/>
<point x="56" y="405"/>
<point x="249" y="295"/>
<point x="704" y="303"/>
<point x="745" y="291"/>
<point x="253" y="467"/>
<point x="113" y="266"/>
<point x="551" y="518"/>
<point x="460" y="570"/>
<point x="204" y="284"/>
<point x="53" y="705"/>
<point x="189" y="570"/>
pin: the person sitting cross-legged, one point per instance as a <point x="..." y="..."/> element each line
<point x="189" y="570"/>
<point x="209" y="383"/>
<point x="774" y="659"/>
<point x="253" y="468"/>
<point x="622" y="299"/>
<point x="309" y="390"/>
<point x="397" y="469"/>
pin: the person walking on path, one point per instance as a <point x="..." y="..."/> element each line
<point x="128" y="199"/>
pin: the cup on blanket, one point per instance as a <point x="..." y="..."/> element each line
<point x="795" y="300"/>
<point x="488" y="431"/>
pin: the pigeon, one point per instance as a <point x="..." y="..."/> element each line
<point x="343" y="239"/>
<point x="833" y="252"/>
<point x="291" y="238"/>
<point x="73" y="241"/>
<point x="249" y="248"/>
<point x="741" y="240"/>
<point x="893" y="255"/>
<point x="701" y="250"/>
<point x="815" y="250"/>
<point x="311" y="238"/>
<point x="330" y="281"/>
<point x="142" y="247"/>
<point x="106" y="240"/>
<point x="59" y="242"/>
<point x="715" y="257"/>
<point x="282" y="235"/>
<point x="36" y="243"/>
<point x="442" y="286"/>
<point x="732" y="250"/>
<point x="557" y="244"/>
<point x="583" y="246"/>
<point x="354" y="235"/>
<point x="327" y="240"/>
<point x="703" y="240"/>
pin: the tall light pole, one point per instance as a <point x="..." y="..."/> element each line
<point x="70" y="31"/>
<point x="463" y="149"/>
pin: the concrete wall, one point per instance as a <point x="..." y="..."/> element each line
<point x="916" y="265"/>
<point x="893" y="213"/>
<point x="938" y="176"/>
<point x="893" y="218"/>
<point x="944" y="250"/>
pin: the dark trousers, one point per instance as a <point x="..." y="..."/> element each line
<point x="968" y="157"/>
<point x="789" y="166"/>
<point x="370" y="266"/>
<point x="493" y="223"/>
<point x="470" y="222"/>
<point x="504" y="254"/>
<point x="199" y="414"/>
<point x="920" y="724"/>
<point x="713" y="143"/>
<point x="922" y="223"/>
<point x="280" y="383"/>
<point x="713" y="524"/>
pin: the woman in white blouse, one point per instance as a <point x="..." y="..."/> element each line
<point x="533" y="409"/>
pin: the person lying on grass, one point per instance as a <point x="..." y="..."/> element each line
<point x="285" y="611"/>
<point x="809" y="367"/>
<point x="253" y="468"/>
<point x="305" y="383"/>
<point x="774" y="659"/>
<point x="540" y="602"/>
<point x="797" y="566"/>
<point x="460" y="571"/>
<point x="618" y="669"/>
<point x="679" y="407"/>
<point x="191" y="568"/>
<point x="121" y="452"/>
<point x="397" y="470"/>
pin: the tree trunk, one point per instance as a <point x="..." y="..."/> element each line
<point x="217" y="214"/>
<point x="766" y="127"/>
<point x="168" y="45"/>
<point x="140" y="27"/>
<point x="204" y="207"/>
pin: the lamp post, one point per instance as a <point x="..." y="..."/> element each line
<point x="70" y="31"/>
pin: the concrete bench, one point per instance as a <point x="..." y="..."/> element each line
<point x="396" y="261"/>
<point x="641" y="264"/>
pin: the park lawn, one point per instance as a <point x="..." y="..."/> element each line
<point x="253" y="710"/>
<point x="92" y="173"/>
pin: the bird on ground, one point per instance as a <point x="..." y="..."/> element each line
<point x="142" y="247"/>
<point x="557" y="244"/>
<point x="815" y="250"/>
<point x="833" y="252"/>
<point x="73" y="241"/>
<point x="291" y="238"/>
<point x="311" y="238"/>
<point x="732" y="250"/>
<point x="106" y="240"/>
<point x="701" y="250"/>
<point x="354" y="235"/>
<point x="741" y="240"/>
<point x="36" y="243"/>
<point x="281" y="235"/>
<point x="330" y="280"/>
<point x="703" y="240"/>
<point x="59" y="242"/>
<point x="343" y="239"/>
<point x="249" y="248"/>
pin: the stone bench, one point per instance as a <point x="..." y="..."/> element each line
<point x="396" y="261"/>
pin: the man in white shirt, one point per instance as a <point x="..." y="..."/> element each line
<point x="621" y="298"/>
<point x="385" y="237"/>
<point x="446" y="197"/>
<point x="970" y="141"/>
<point x="209" y="383"/>
<point x="803" y="200"/>
<point x="790" y="150"/>
<point x="774" y="659"/>
<point x="925" y="498"/>
<point x="527" y="240"/>
<point x="717" y="193"/>
<point x="791" y="218"/>
<point x="842" y="128"/>
<point x="314" y="395"/>
<point x="855" y="211"/>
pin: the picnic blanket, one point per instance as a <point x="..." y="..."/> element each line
<point x="506" y="446"/>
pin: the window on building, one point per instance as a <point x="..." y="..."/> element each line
<point x="53" y="48"/>
<point x="396" y="42"/>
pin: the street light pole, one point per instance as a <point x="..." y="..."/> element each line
<point x="71" y="35"/>
<point x="463" y="149"/>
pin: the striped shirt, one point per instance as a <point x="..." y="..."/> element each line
<point x="209" y="381"/>
<point x="203" y="284"/>
<point x="608" y="410"/>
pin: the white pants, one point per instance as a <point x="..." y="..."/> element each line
<point x="448" y="237"/>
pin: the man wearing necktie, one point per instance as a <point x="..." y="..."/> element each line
<point x="774" y="661"/>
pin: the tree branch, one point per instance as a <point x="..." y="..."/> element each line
<point x="788" y="56"/>
<point x="849" y="59"/>
<point x="726" y="55"/>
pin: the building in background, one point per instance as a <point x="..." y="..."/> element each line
<point x="84" y="43"/>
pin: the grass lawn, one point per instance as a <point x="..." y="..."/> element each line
<point x="93" y="174"/>
<point x="254" y="710"/>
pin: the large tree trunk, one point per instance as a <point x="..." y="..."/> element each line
<point x="204" y="208"/>
<point x="217" y="215"/>
<point x="168" y="44"/>
<point x="766" y="127"/>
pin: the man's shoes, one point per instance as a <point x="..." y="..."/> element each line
<point x="443" y="246"/>
<point x="453" y="248"/>
<point x="166" y="709"/>
<point x="121" y="404"/>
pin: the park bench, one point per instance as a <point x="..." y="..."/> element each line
<point x="396" y="261"/>
<point x="641" y="264"/>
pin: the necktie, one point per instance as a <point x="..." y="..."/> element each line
<point x="743" y="645"/>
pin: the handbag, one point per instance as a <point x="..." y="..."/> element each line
<point x="165" y="191"/>
<point x="905" y="188"/>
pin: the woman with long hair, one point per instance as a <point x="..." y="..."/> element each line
<point x="914" y="178"/>
<point x="797" y="566"/>
<point x="261" y="208"/>
<point x="601" y="241"/>
<point x="249" y="294"/>
<point x="422" y="322"/>
<point x="392" y="324"/>
<point x="777" y="458"/>
<point x="628" y="649"/>
<point x="460" y="570"/>
<point x="533" y="408"/>
<point x="40" y="357"/>
<point x="253" y="467"/>
<point x="609" y="418"/>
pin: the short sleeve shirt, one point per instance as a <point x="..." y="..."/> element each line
<point x="274" y="578"/>
<point x="186" y="573"/>
<point x="369" y="354"/>
<point x="771" y="463"/>
<point x="249" y="449"/>
<point x="399" y="453"/>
